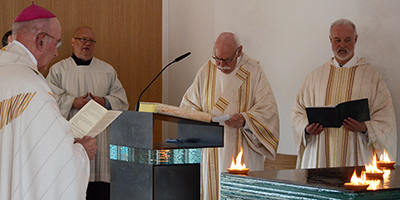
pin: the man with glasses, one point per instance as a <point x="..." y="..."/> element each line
<point x="76" y="80"/>
<point x="39" y="157"/>
<point x="233" y="84"/>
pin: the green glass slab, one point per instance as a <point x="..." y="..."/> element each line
<point x="324" y="183"/>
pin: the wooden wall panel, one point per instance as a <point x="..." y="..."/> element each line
<point x="128" y="34"/>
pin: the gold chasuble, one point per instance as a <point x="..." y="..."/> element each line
<point x="338" y="147"/>
<point x="248" y="93"/>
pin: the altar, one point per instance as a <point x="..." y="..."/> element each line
<point x="324" y="183"/>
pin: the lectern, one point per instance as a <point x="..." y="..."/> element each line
<point x="145" y="167"/>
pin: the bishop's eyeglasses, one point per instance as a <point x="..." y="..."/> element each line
<point x="58" y="44"/>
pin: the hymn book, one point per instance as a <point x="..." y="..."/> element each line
<point x="174" y="111"/>
<point x="334" y="116"/>
<point x="92" y="119"/>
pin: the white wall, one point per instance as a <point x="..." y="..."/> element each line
<point x="190" y="28"/>
<point x="187" y="26"/>
<point x="288" y="37"/>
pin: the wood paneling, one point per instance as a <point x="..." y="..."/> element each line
<point x="282" y="161"/>
<point x="128" y="34"/>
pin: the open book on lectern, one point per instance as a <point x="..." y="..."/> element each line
<point x="334" y="116"/>
<point x="174" y="111"/>
<point x="92" y="119"/>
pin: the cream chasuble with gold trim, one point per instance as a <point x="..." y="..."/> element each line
<point x="338" y="147"/>
<point x="247" y="91"/>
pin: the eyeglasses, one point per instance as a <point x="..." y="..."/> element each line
<point x="227" y="60"/>
<point x="58" y="44"/>
<point x="84" y="40"/>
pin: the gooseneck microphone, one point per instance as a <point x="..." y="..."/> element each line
<point x="176" y="60"/>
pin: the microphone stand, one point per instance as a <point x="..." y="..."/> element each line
<point x="176" y="60"/>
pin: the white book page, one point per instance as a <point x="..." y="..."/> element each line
<point x="109" y="117"/>
<point x="221" y="119"/>
<point x="86" y="118"/>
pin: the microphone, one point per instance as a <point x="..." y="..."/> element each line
<point x="176" y="60"/>
<point x="181" y="57"/>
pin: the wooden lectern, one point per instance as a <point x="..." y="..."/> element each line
<point x="144" y="167"/>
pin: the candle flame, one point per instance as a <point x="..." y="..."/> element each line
<point x="385" y="157"/>
<point x="373" y="168"/>
<point x="238" y="165"/>
<point x="355" y="180"/>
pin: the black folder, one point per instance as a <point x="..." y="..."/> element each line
<point x="333" y="117"/>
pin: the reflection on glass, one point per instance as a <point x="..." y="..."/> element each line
<point x="373" y="184"/>
<point x="380" y="184"/>
<point x="155" y="157"/>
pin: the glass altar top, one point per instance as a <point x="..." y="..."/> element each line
<point x="155" y="157"/>
<point x="323" y="183"/>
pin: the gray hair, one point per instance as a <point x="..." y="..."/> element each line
<point x="31" y="27"/>
<point x="345" y="22"/>
<point x="237" y="40"/>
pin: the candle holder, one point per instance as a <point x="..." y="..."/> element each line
<point x="238" y="171"/>
<point x="384" y="164"/>
<point x="352" y="186"/>
<point x="374" y="175"/>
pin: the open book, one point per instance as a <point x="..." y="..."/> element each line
<point x="334" y="116"/>
<point x="174" y="111"/>
<point x="92" y="119"/>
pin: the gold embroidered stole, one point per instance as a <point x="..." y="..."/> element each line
<point x="211" y="153"/>
<point x="339" y="89"/>
<point x="243" y="102"/>
<point x="218" y="109"/>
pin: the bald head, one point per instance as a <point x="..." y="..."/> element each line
<point x="227" y="50"/>
<point x="83" y="29"/>
<point x="227" y="40"/>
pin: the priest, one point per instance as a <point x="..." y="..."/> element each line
<point x="343" y="78"/>
<point x="39" y="158"/>
<point x="233" y="84"/>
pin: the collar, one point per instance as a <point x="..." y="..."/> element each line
<point x="350" y="63"/>
<point x="29" y="53"/>
<point x="238" y="60"/>
<point x="79" y="61"/>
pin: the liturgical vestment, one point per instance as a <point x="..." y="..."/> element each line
<point x="246" y="90"/>
<point x="38" y="157"/>
<point x="330" y="85"/>
<point x="68" y="80"/>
